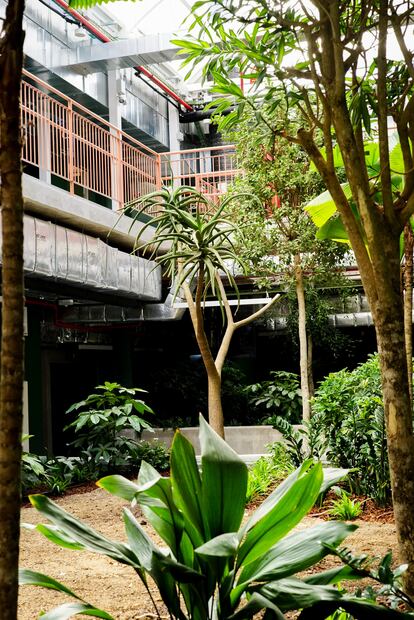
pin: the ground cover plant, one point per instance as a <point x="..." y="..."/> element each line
<point x="213" y="560"/>
<point x="267" y="471"/>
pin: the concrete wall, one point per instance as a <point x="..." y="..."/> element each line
<point x="243" y="439"/>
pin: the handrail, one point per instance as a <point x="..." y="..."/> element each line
<point x="62" y="139"/>
<point x="102" y="121"/>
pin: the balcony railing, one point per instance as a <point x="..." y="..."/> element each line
<point x="68" y="145"/>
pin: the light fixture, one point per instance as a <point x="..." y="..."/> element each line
<point x="80" y="32"/>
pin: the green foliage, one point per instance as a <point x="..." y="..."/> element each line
<point x="32" y="468"/>
<point x="199" y="237"/>
<point x="301" y="443"/>
<point x="268" y="470"/>
<point x="345" y="508"/>
<point x="101" y="423"/>
<point x="153" y="452"/>
<point x="278" y="174"/>
<point x="280" y="396"/>
<point x="212" y="560"/>
<point x="261" y="477"/>
<point x="349" y="413"/>
<point x="322" y="208"/>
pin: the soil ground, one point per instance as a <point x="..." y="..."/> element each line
<point x="116" y="588"/>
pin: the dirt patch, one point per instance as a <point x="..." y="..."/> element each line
<point x="114" y="587"/>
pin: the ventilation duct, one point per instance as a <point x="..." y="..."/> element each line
<point x="103" y="315"/>
<point x="56" y="253"/>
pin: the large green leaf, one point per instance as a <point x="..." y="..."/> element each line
<point x="297" y="552"/>
<point x="119" y="486"/>
<point x="358" y="608"/>
<point x="333" y="576"/>
<point x="222" y="546"/>
<point x="290" y="504"/>
<point x="162" y="513"/>
<point x="29" y="577"/>
<point x="68" y="610"/>
<point x="292" y="593"/>
<point x="186" y="486"/>
<point x="224" y="483"/>
<point x="331" y="476"/>
<point x="256" y="603"/>
<point x="322" y="208"/>
<point x="334" y="230"/>
<point x="79" y="532"/>
<point x="58" y="537"/>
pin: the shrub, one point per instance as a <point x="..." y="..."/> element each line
<point x="153" y="452"/>
<point x="302" y="443"/>
<point x="348" y="412"/>
<point x="215" y="566"/>
<point x="32" y="469"/>
<point x="101" y="425"/>
<point x="280" y="396"/>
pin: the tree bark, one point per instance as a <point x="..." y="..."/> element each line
<point x="408" y="302"/>
<point x="11" y="376"/>
<point x="303" y="344"/>
<point x="397" y="408"/>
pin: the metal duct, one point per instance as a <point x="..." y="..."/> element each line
<point x="103" y="315"/>
<point x="62" y="254"/>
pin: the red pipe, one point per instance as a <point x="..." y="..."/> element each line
<point x="102" y="37"/>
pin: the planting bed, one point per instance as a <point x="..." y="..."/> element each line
<point x="116" y="588"/>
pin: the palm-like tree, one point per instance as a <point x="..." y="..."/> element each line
<point x="200" y="249"/>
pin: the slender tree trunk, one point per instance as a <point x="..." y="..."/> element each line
<point x="303" y="345"/>
<point x="310" y="366"/>
<point x="408" y="302"/>
<point x="11" y="377"/>
<point x="215" y="409"/>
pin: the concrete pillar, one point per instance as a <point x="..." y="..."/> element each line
<point x="43" y="141"/>
<point x="115" y="118"/>
<point x="174" y="167"/>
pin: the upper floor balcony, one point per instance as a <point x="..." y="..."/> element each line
<point x="70" y="147"/>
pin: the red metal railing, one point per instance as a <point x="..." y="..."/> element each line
<point x="209" y="170"/>
<point x="64" y="140"/>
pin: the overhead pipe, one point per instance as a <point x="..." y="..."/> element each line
<point x="105" y="39"/>
<point x="200" y="115"/>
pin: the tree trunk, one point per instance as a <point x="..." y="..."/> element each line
<point x="397" y="408"/>
<point x="11" y="377"/>
<point x="408" y="302"/>
<point x="215" y="409"/>
<point x="303" y="344"/>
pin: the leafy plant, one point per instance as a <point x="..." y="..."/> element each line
<point x="215" y="566"/>
<point x="302" y="443"/>
<point x="345" y="508"/>
<point x="349" y="414"/>
<point x="280" y="396"/>
<point x="32" y="468"/>
<point x="261" y="477"/>
<point x="153" y="452"/>
<point x="102" y="421"/>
